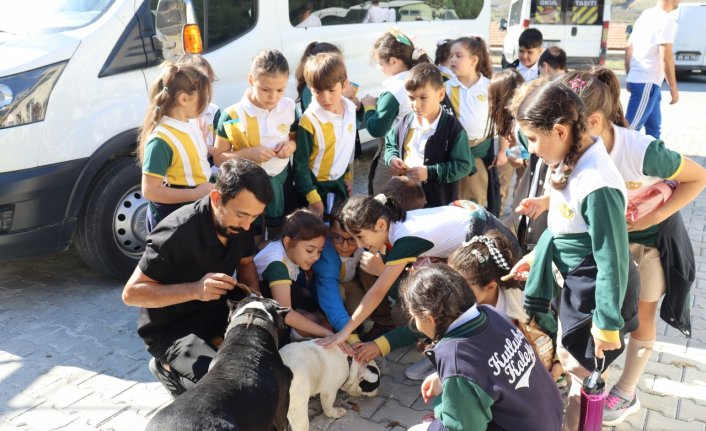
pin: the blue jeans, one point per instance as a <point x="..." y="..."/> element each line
<point x="643" y="108"/>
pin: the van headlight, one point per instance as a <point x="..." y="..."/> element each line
<point x="24" y="96"/>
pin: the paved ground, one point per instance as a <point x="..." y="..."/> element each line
<point x="70" y="358"/>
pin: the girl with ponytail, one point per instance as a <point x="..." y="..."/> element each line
<point x="173" y="153"/>
<point x="642" y="162"/>
<point x="380" y="225"/>
<point x="586" y="239"/>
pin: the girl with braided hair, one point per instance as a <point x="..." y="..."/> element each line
<point x="173" y="153"/>
<point x="487" y="376"/>
<point x="587" y="237"/>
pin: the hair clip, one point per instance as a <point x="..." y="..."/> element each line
<point x="418" y="53"/>
<point x="381" y="198"/>
<point x="481" y="258"/>
<point x="157" y="108"/>
<point x="497" y="256"/>
<point x="165" y="89"/>
<point x="443" y="42"/>
<point x="399" y="36"/>
<point x="577" y="84"/>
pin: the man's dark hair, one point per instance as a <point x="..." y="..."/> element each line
<point x="554" y="56"/>
<point x="238" y="175"/>
<point x="423" y="74"/>
<point x="531" y="38"/>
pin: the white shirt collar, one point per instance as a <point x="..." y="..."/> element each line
<point x="398" y="77"/>
<point x="467" y="315"/>
<point x="425" y="125"/>
<point x="253" y="110"/>
<point x="534" y="67"/>
<point x="455" y="82"/>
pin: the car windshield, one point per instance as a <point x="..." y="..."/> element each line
<point x="42" y="16"/>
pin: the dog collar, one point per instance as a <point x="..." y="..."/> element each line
<point x="254" y="319"/>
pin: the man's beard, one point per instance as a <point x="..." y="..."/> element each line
<point x="227" y="232"/>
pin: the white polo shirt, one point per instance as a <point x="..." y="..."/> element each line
<point x="653" y="28"/>
<point x="251" y="126"/>
<point x="417" y="140"/>
<point x="376" y="14"/>
<point x="471" y="105"/>
<point x="395" y="86"/>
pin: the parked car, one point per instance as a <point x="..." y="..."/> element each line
<point x="690" y="42"/>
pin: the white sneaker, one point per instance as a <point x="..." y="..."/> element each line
<point x="419" y="370"/>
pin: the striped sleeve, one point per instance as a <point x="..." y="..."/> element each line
<point x="276" y="273"/>
<point x="662" y="162"/>
<point x="407" y="250"/>
<point x="157" y="158"/>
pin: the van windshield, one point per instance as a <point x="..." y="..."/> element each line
<point x="41" y="16"/>
<point x="567" y="12"/>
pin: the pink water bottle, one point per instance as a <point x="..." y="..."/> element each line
<point x="592" y="401"/>
<point x="649" y="199"/>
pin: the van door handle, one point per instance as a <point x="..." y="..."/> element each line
<point x="573" y="30"/>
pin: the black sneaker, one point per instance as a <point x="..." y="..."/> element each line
<point x="171" y="383"/>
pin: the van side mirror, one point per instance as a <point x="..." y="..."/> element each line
<point x="628" y="29"/>
<point x="502" y="26"/>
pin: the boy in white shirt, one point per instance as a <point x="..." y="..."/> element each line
<point x="530" y="49"/>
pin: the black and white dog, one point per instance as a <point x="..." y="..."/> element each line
<point x="324" y="371"/>
<point x="247" y="385"/>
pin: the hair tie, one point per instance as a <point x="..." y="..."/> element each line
<point x="165" y="89"/>
<point x="443" y="42"/>
<point x="157" y="108"/>
<point x="482" y="259"/>
<point x="380" y="197"/>
<point x="399" y="36"/>
<point x="417" y="53"/>
<point x="492" y="249"/>
<point x="577" y="84"/>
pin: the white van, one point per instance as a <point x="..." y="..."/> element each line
<point x="689" y="42"/>
<point x="73" y="91"/>
<point x="579" y="27"/>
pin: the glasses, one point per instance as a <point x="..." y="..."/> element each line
<point x="338" y="239"/>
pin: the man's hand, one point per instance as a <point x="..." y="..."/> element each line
<point x="674" y="92"/>
<point x="214" y="285"/>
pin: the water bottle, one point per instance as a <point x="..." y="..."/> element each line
<point x="649" y="199"/>
<point x="592" y="400"/>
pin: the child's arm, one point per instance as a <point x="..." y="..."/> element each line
<point x="302" y="173"/>
<point x="327" y="272"/>
<point x="233" y="143"/>
<point x="153" y="191"/>
<point x="392" y="154"/>
<point x="399" y="337"/>
<point x="461" y="163"/>
<point x="603" y="211"/>
<point x="379" y="117"/>
<point x="461" y="406"/>
<point x="664" y="163"/>
<point x="501" y="156"/>
<point x="370" y="301"/>
<point x="533" y="207"/>
<point x="156" y="162"/>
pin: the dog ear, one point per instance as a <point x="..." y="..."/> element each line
<point x="232" y="305"/>
<point x="283" y="311"/>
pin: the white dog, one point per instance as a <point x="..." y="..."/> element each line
<point x="324" y="371"/>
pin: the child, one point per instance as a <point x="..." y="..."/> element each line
<point x="468" y="92"/>
<point x="643" y="160"/>
<point x="486" y="376"/>
<point x="501" y="124"/>
<point x="380" y="224"/>
<point x="429" y="145"/>
<point x="442" y="58"/>
<point x="326" y="135"/>
<point x="175" y="169"/>
<point x="278" y="265"/>
<point x="552" y="62"/>
<point x="396" y="55"/>
<point x="207" y="123"/>
<point x="335" y="280"/>
<point x="257" y="128"/>
<point x="530" y="48"/>
<point x="587" y="237"/>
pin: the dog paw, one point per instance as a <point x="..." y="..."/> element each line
<point x="336" y="412"/>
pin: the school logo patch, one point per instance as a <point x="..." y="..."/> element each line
<point x="633" y="185"/>
<point x="350" y="128"/>
<point x="565" y="211"/>
<point x="283" y="128"/>
<point x="482" y="97"/>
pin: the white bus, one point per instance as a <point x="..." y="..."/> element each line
<point x="579" y="27"/>
<point x="73" y="91"/>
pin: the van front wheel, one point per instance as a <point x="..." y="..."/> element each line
<point x="111" y="232"/>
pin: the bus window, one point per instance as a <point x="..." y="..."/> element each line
<point x="315" y="13"/>
<point x="585" y="12"/>
<point x="546" y="12"/>
<point x="515" y="13"/>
